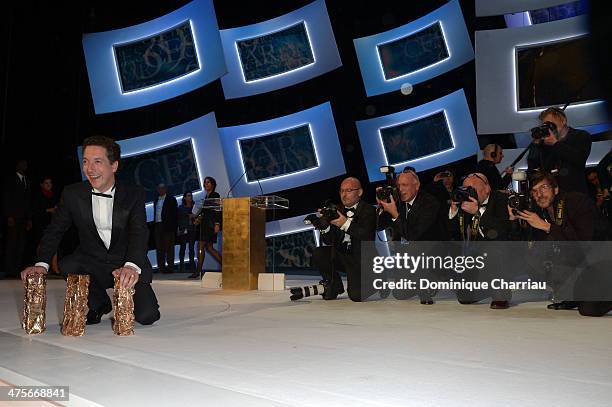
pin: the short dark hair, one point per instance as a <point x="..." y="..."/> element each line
<point x="544" y="176"/>
<point x="113" y="151"/>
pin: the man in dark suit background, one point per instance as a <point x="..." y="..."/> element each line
<point x="493" y="154"/>
<point x="16" y="210"/>
<point x="356" y="223"/>
<point x="111" y="223"/>
<point x="165" y="214"/>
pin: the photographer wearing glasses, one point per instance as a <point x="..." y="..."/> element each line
<point x="561" y="216"/>
<point x="343" y="232"/>
<point x="560" y="150"/>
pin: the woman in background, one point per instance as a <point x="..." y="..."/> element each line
<point x="210" y="224"/>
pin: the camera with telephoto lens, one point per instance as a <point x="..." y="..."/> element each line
<point x="541" y="131"/>
<point x="519" y="201"/>
<point x="328" y="213"/>
<point x="463" y="194"/>
<point x="390" y="190"/>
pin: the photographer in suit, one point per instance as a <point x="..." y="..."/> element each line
<point x="561" y="150"/>
<point x="356" y="222"/>
<point x="111" y="223"/>
<point x="563" y="216"/>
<point x="482" y="216"/>
<point x="416" y="216"/>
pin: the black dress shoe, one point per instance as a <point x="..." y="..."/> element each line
<point x="500" y="305"/>
<point x="563" y="305"/>
<point x="333" y="292"/>
<point x="94" y="317"/>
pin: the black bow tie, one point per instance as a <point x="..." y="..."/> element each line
<point x="350" y="212"/>
<point x="101" y="194"/>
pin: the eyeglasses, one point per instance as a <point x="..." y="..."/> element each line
<point x="348" y="190"/>
<point x="541" y="189"/>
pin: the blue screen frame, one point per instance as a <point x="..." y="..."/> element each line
<point x="456" y="36"/>
<point x="459" y="122"/>
<point x="328" y="153"/>
<point x="207" y="151"/>
<point x="103" y="70"/>
<point x="322" y="43"/>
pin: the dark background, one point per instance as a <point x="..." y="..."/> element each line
<point x="46" y="106"/>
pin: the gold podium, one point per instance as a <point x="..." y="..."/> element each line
<point x="244" y="238"/>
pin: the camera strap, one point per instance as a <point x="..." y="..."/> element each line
<point x="474" y="225"/>
<point x="559" y="212"/>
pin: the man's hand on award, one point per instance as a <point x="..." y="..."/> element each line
<point x="32" y="270"/>
<point x="340" y="220"/>
<point x="534" y="220"/>
<point x="128" y="276"/>
<point x="470" y="206"/>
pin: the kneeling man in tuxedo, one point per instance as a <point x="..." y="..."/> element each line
<point x="110" y="219"/>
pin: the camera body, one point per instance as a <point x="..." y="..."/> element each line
<point x="328" y="213"/>
<point x="389" y="190"/>
<point x="463" y="194"/>
<point x="519" y="201"/>
<point x="541" y="131"/>
<point x="385" y="193"/>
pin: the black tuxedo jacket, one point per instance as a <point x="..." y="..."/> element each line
<point x="363" y="228"/>
<point x="496" y="181"/>
<point x="169" y="213"/>
<point x="494" y="221"/>
<point x="424" y="221"/>
<point x="129" y="235"/>
<point x="578" y="221"/>
<point x="17" y="198"/>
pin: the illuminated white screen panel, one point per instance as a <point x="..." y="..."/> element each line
<point x="154" y="159"/>
<point x="281" y="52"/>
<point x="282" y="153"/>
<point x="453" y="109"/>
<point x="497" y="77"/>
<point x="156" y="60"/>
<point x="415" y="52"/>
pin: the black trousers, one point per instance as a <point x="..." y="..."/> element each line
<point x="146" y="308"/>
<point x="164" y="247"/>
<point x="330" y="260"/>
<point x="184" y="241"/>
<point x="15" y="247"/>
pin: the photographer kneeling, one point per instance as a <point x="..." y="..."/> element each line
<point x="562" y="216"/>
<point x="355" y="222"/>
<point x="479" y="214"/>
<point x="415" y="217"/>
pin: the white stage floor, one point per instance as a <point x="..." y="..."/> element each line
<point x="219" y="348"/>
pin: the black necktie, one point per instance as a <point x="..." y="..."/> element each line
<point x="101" y="194"/>
<point x="408" y="207"/>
